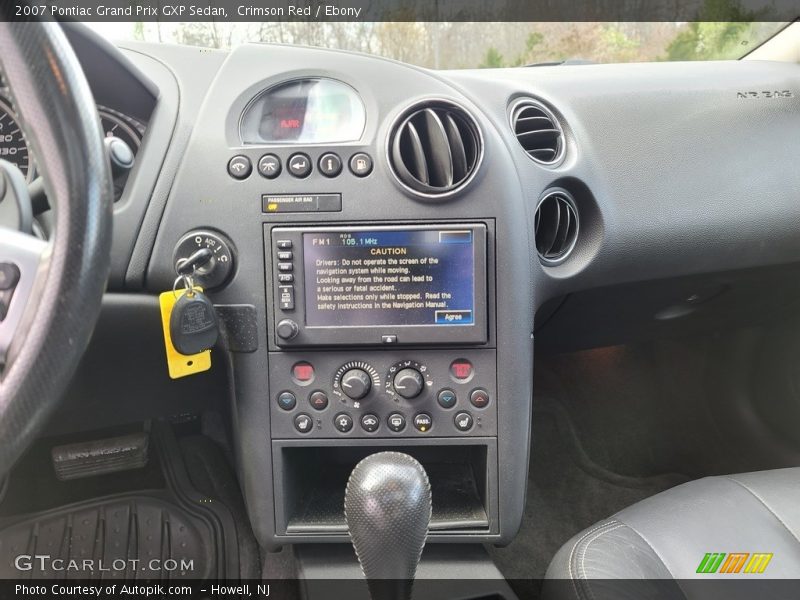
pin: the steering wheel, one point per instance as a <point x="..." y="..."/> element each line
<point x="53" y="299"/>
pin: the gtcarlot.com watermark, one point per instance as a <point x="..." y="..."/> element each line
<point x="44" y="562"/>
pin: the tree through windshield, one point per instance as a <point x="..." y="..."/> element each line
<point x="471" y="45"/>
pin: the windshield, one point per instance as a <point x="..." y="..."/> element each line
<point x="471" y="45"/>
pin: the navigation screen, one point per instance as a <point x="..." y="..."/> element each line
<point x="397" y="277"/>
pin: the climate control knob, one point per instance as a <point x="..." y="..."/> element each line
<point x="408" y="383"/>
<point x="356" y="383"/>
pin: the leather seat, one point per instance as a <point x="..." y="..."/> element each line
<point x="669" y="535"/>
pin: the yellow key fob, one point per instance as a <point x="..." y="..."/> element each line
<point x="180" y="365"/>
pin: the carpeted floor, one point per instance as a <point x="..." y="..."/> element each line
<point x="611" y="427"/>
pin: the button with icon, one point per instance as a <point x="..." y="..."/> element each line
<point x="240" y="167"/>
<point x="361" y="164"/>
<point x="269" y="166"/>
<point x="303" y="423"/>
<point x="299" y="165"/>
<point x="287" y="400"/>
<point x="396" y="422"/>
<point x="343" y="422"/>
<point x="303" y="372"/>
<point x="423" y="422"/>
<point x="319" y="400"/>
<point x="446" y="398"/>
<point x="330" y="164"/>
<point x="461" y="370"/>
<point x="370" y="423"/>
<point x="463" y="421"/>
<point x="479" y="398"/>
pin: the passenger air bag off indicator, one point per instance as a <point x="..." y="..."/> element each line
<point x="300" y="203"/>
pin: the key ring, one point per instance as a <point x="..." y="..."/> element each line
<point x="188" y="284"/>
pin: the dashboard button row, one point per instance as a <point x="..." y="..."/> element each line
<point x="299" y="165"/>
<point x="446" y="398"/>
<point x="370" y="423"/>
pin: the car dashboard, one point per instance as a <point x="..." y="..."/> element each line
<point x="391" y="244"/>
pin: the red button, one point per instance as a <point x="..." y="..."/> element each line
<point x="303" y="372"/>
<point x="461" y="369"/>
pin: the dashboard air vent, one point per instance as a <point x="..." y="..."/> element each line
<point x="538" y="131"/>
<point x="556" y="227"/>
<point x="435" y="149"/>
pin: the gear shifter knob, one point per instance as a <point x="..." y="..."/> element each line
<point x="387" y="505"/>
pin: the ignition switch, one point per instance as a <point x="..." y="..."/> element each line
<point x="216" y="271"/>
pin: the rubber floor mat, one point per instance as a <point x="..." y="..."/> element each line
<point x="157" y="534"/>
<point x="134" y="537"/>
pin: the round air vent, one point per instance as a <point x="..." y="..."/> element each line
<point x="556" y="227"/>
<point x="538" y="131"/>
<point x="435" y="149"/>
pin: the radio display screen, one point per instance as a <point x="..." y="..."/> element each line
<point x="398" y="277"/>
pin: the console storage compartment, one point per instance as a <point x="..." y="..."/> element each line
<point x="312" y="478"/>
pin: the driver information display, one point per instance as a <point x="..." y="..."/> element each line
<point x="397" y="277"/>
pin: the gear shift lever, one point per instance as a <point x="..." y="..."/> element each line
<point x="387" y="505"/>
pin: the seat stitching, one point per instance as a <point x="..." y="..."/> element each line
<point x="575" y="547"/>
<point x="585" y="550"/>
<point x="658" y="556"/>
<point x="579" y="540"/>
<point x="767" y="506"/>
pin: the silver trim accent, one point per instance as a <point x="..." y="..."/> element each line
<point x="27" y="253"/>
<point x="513" y="113"/>
<point x="552" y="262"/>
<point x="407" y="112"/>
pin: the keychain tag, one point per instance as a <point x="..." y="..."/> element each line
<point x="180" y="365"/>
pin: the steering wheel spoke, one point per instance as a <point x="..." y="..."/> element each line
<point x="21" y="259"/>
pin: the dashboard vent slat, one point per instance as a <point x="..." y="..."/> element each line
<point x="419" y="167"/>
<point x="538" y="131"/>
<point x="440" y="158"/>
<point x="458" y="153"/>
<point x="556" y="227"/>
<point x="435" y="148"/>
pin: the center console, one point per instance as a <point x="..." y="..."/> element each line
<point x="359" y="314"/>
<point x="375" y="297"/>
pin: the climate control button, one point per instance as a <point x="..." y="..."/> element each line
<point x="287" y="400"/>
<point x="318" y="400"/>
<point x="396" y="422"/>
<point x="343" y="422"/>
<point x="446" y="398"/>
<point x="423" y="422"/>
<point x="370" y="423"/>
<point x="479" y="398"/>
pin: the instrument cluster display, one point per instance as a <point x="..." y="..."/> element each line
<point x="304" y="111"/>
